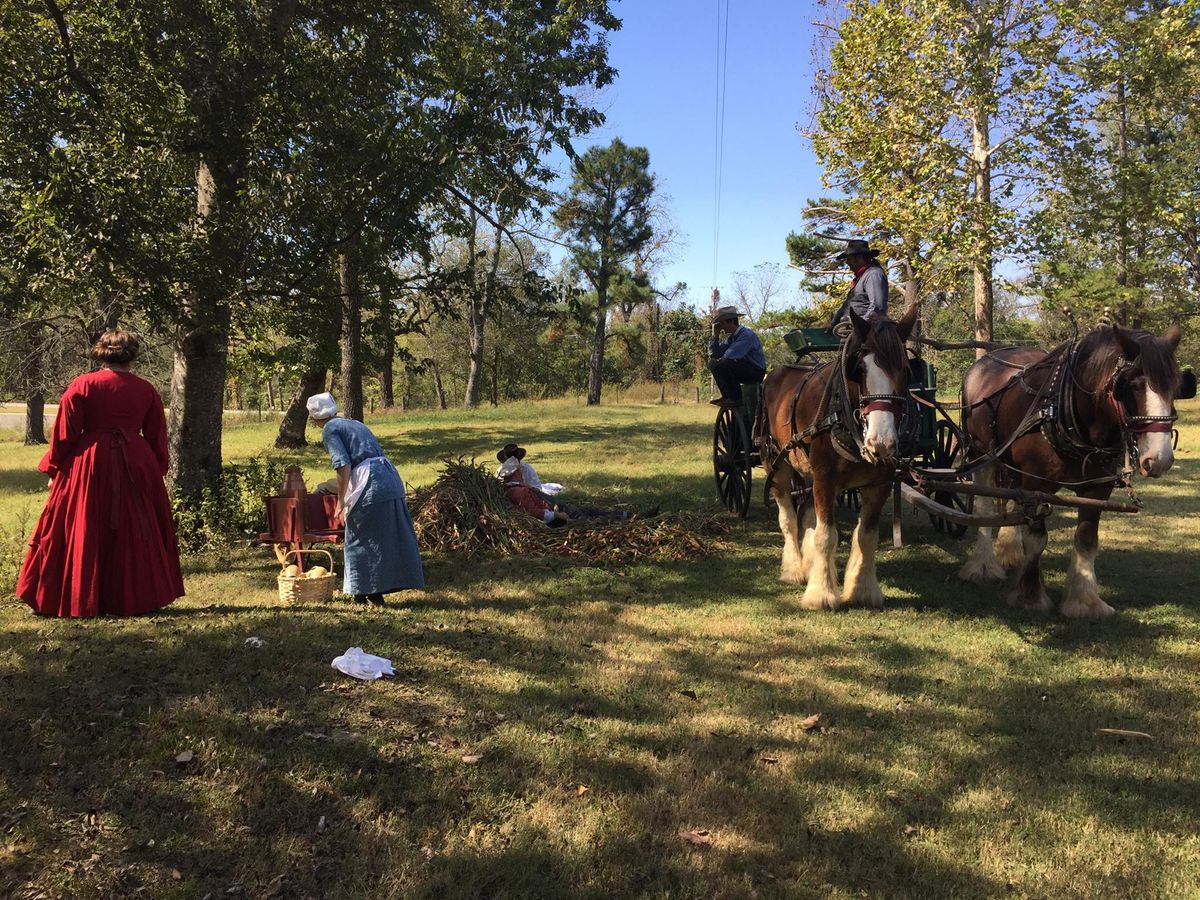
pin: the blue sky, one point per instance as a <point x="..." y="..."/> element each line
<point x="664" y="99"/>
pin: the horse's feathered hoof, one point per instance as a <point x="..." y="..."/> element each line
<point x="1039" y="602"/>
<point x="817" y="600"/>
<point x="1081" y="608"/>
<point x="980" y="571"/>
<point x="868" y="597"/>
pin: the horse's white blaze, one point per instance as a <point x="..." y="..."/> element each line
<point x="1154" y="448"/>
<point x="880" y="440"/>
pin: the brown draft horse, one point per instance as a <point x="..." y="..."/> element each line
<point x="1067" y="418"/>
<point x="815" y="432"/>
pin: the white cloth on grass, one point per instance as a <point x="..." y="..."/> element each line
<point x="358" y="664"/>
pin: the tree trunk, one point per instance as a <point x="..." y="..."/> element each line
<point x="479" y="305"/>
<point x="35" y="417"/>
<point x="596" y="359"/>
<point x="291" y="429"/>
<point x="387" y="391"/>
<point x="475" y="355"/>
<point x="496" y="377"/>
<point x="197" y="398"/>
<point x="981" y="258"/>
<point x="351" y="340"/>
<point x="270" y="384"/>
<point x="437" y="384"/>
<point x="200" y="368"/>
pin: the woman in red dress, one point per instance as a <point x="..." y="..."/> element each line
<point x="105" y="543"/>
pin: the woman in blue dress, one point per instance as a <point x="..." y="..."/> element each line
<point x="381" y="554"/>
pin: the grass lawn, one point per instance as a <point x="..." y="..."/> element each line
<point x="612" y="710"/>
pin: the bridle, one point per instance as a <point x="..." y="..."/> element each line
<point x="1134" y="425"/>
<point x="896" y="404"/>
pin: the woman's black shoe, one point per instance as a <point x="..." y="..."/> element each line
<point x="375" y="599"/>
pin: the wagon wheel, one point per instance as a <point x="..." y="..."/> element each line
<point x="946" y="454"/>
<point x="731" y="460"/>
<point x="850" y="499"/>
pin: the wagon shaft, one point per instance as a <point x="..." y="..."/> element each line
<point x="915" y="498"/>
<point x="1029" y="497"/>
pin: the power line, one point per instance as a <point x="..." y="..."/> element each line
<point x="722" y="59"/>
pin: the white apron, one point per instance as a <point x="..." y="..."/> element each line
<point x="360" y="475"/>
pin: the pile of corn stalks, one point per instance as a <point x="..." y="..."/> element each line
<point x="465" y="511"/>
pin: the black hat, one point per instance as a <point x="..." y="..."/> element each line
<point x="510" y="450"/>
<point x="856" y="246"/>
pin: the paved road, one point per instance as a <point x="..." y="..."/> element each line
<point x="17" y="420"/>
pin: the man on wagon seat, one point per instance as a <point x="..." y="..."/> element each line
<point x="737" y="360"/>
<point x="868" y="291"/>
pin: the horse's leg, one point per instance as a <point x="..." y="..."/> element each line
<point x="1083" y="594"/>
<point x="1009" y="547"/>
<point x="982" y="564"/>
<point x="820" y="551"/>
<point x="861" y="585"/>
<point x="1030" y="592"/>
<point x="792" y="568"/>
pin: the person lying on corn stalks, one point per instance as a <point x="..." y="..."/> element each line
<point x="555" y="514"/>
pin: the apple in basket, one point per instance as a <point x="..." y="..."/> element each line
<point x="317" y="572"/>
<point x="292" y="571"/>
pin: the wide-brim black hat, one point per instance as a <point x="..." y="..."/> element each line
<point x="856" y="246"/>
<point x="510" y="450"/>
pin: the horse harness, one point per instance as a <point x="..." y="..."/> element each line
<point x="838" y="415"/>
<point x="1052" y="413"/>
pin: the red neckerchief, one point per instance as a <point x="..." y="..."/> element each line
<point x="858" y="274"/>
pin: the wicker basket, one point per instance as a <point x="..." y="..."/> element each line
<point x="301" y="588"/>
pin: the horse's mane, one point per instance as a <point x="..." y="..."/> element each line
<point x="884" y="341"/>
<point x="1100" y="349"/>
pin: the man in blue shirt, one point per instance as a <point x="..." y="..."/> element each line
<point x="737" y="360"/>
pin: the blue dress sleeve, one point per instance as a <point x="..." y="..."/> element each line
<point x="335" y="445"/>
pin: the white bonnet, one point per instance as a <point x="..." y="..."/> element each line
<point x="322" y="406"/>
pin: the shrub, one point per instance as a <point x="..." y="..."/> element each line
<point x="233" y="511"/>
<point x="13" y="544"/>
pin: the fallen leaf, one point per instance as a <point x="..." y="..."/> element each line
<point x="698" y="837"/>
<point x="472" y="758"/>
<point x="321" y="824"/>
<point x="689" y="693"/>
<point x="909" y="830"/>
<point x="810" y="722"/>
<point x="581" y="790"/>
<point x="185" y="757"/>
<point x="176" y="875"/>
<point x="1122" y="732"/>
<point x="770" y="760"/>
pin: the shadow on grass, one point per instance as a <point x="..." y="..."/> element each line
<point x="95" y="714"/>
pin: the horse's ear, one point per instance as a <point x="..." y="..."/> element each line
<point x="861" y="325"/>
<point x="1172" y="336"/>
<point x="909" y="320"/>
<point x="1130" y="348"/>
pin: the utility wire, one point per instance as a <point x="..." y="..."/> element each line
<point x="719" y="129"/>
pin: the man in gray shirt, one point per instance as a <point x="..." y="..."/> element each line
<point x="869" y="291"/>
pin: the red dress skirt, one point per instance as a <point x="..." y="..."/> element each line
<point x="105" y="543"/>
